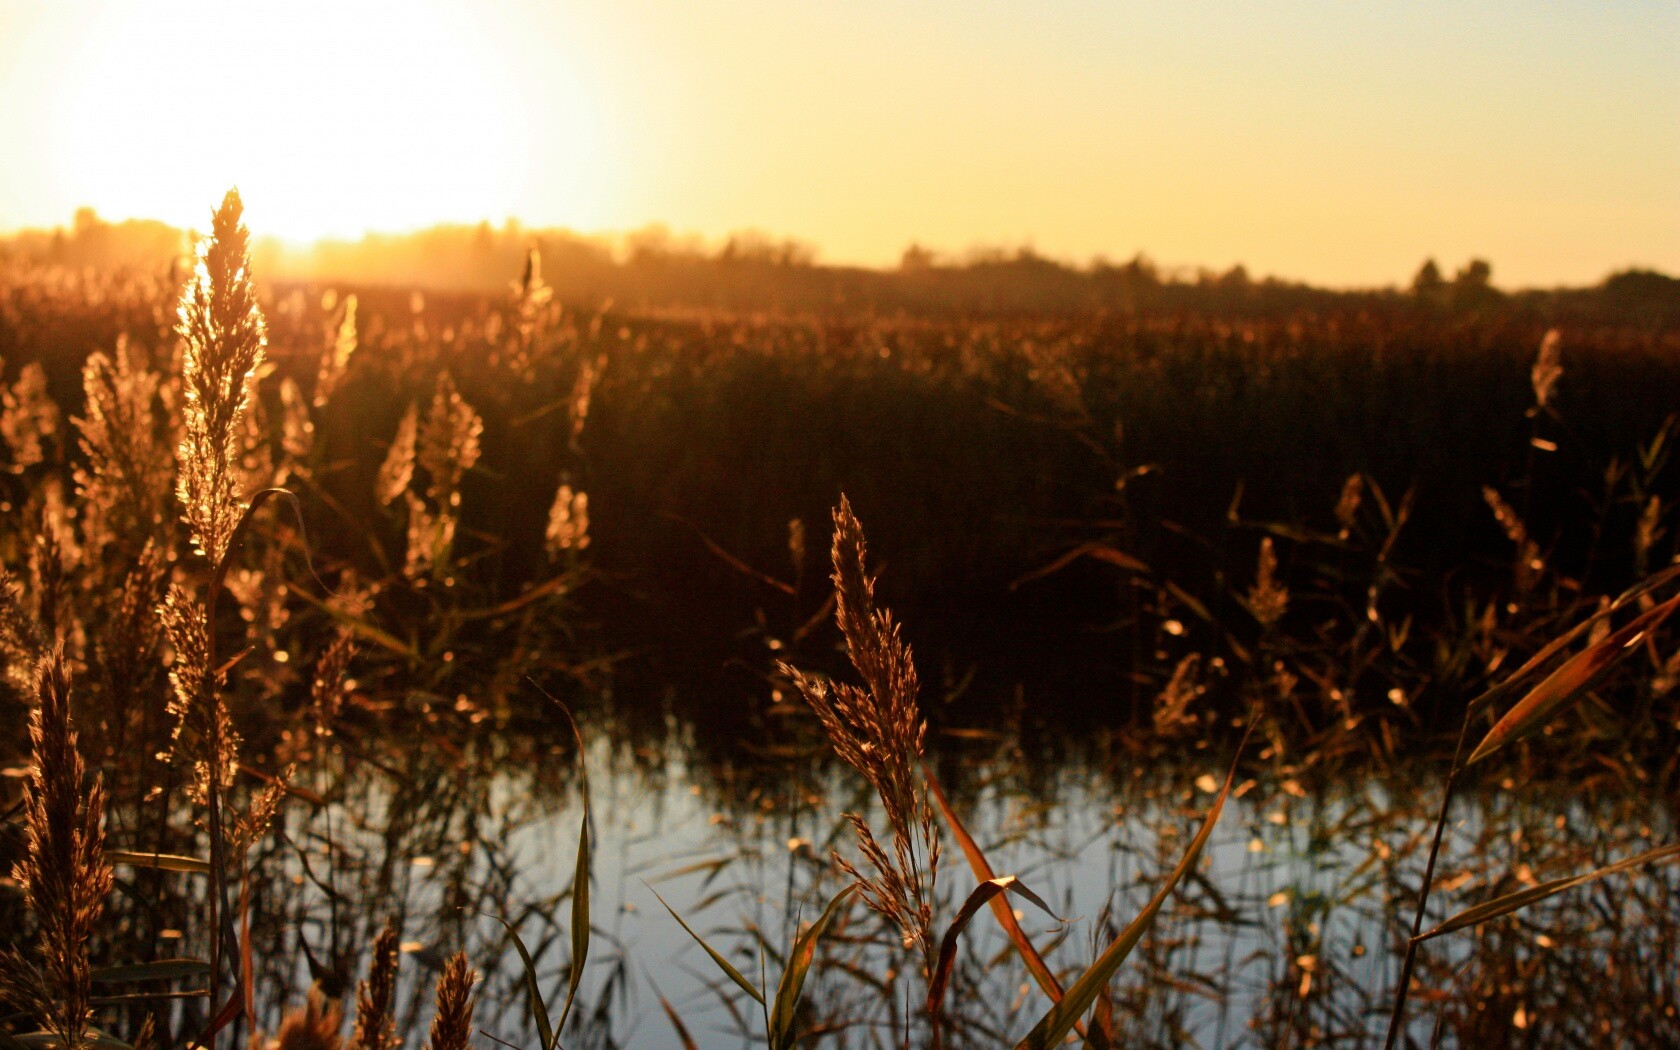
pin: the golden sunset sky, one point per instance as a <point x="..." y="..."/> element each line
<point x="1335" y="142"/>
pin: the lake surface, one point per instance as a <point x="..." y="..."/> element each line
<point x="1288" y="933"/>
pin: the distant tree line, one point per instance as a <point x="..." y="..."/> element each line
<point x="653" y="268"/>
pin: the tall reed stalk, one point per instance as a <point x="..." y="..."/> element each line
<point x="224" y="338"/>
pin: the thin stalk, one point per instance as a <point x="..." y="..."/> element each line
<point x="1397" y="1018"/>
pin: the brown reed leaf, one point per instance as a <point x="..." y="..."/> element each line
<point x="1569" y="682"/>
<point x="1522" y="898"/>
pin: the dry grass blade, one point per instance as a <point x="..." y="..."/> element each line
<point x="722" y="963"/>
<point x="1000" y="907"/>
<point x="1553" y="647"/>
<point x="784" y="1009"/>
<point x="581" y="875"/>
<point x="1055" y="1025"/>
<point x="992" y="891"/>
<point x="1569" y="681"/>
<point x="160" y="861"/>
<point x="1096" y="550"/>
<point x="1511" y="902"/>
<point x="533" y="988"/>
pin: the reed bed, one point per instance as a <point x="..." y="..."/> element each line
<point x="288" y="574"/>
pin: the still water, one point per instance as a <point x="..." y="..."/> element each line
<point x="1289" y="932"/>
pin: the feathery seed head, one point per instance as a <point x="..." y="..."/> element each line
<point x="452" y="1023"/>
<point x="224" y="337"/>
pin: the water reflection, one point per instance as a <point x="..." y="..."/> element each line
<point x="1289" y="934"/>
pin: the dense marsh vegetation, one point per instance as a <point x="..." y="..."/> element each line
<point x="309" y="581"/>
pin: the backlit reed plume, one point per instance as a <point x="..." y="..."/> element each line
<point x="315" y="1026"/>
<point x="20" y="635"/>
<point x="1347" y="506"/>
<point x="1268" y="599"/>
<point x="51" y="556"/>
<point x="879" y="731"/>
<point x="63" y="874"/>
<point x="583" y="391"/>
<point x="1529" y="562"/>
<point x="1647" y="534"/>
<point x="568" y="521"/>
<point x="1172" y="715"/>
<point x="326" y="689"/>
<point x="396" y="471"/>
<point x="204" y="736"/>
<point x="223" y="335"/>
<point x="452" y="1023"/>
<point x="446" y="447"/>
<point x="125" y="482"/>
<point x="448" y="442"/>
<point x="335" y="360"/>
<point x="297" y="430"/>
<point x="1548" y="369"/>
<point x="376" y="997"/>
<point x="28" y="417"/>
<point x="531" y="296"/>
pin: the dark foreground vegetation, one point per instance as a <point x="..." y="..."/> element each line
<point x="302" y="586"/>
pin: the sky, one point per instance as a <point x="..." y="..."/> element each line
<point x="1340" y="143"/>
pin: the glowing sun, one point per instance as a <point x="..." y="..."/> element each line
<point x="333" y="119"/>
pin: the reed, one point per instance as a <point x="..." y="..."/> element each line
<point x="315" y="1026"/>
<point x="63" y="873"/>
<point x="452" y="1022"/>
<point x="376" y="995"/>
<point x="879" y="731"/>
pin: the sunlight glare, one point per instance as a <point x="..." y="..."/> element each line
<point x="333" y="119"/>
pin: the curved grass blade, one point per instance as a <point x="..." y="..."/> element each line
<point x="723" y="964"/>
<point x="581" y="876"/>
<point x="161" y="861"/>
<point x="983" y="871"/>
<point x="988" y="892"/>
<point x="1566" y="684"/>
<point x="1551" y="648"/>
<point x="786" y="1004"/>
<point x="1055" y="1025"/>
<point x="1511" y="902"/>
<point x="533" y="987"/>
